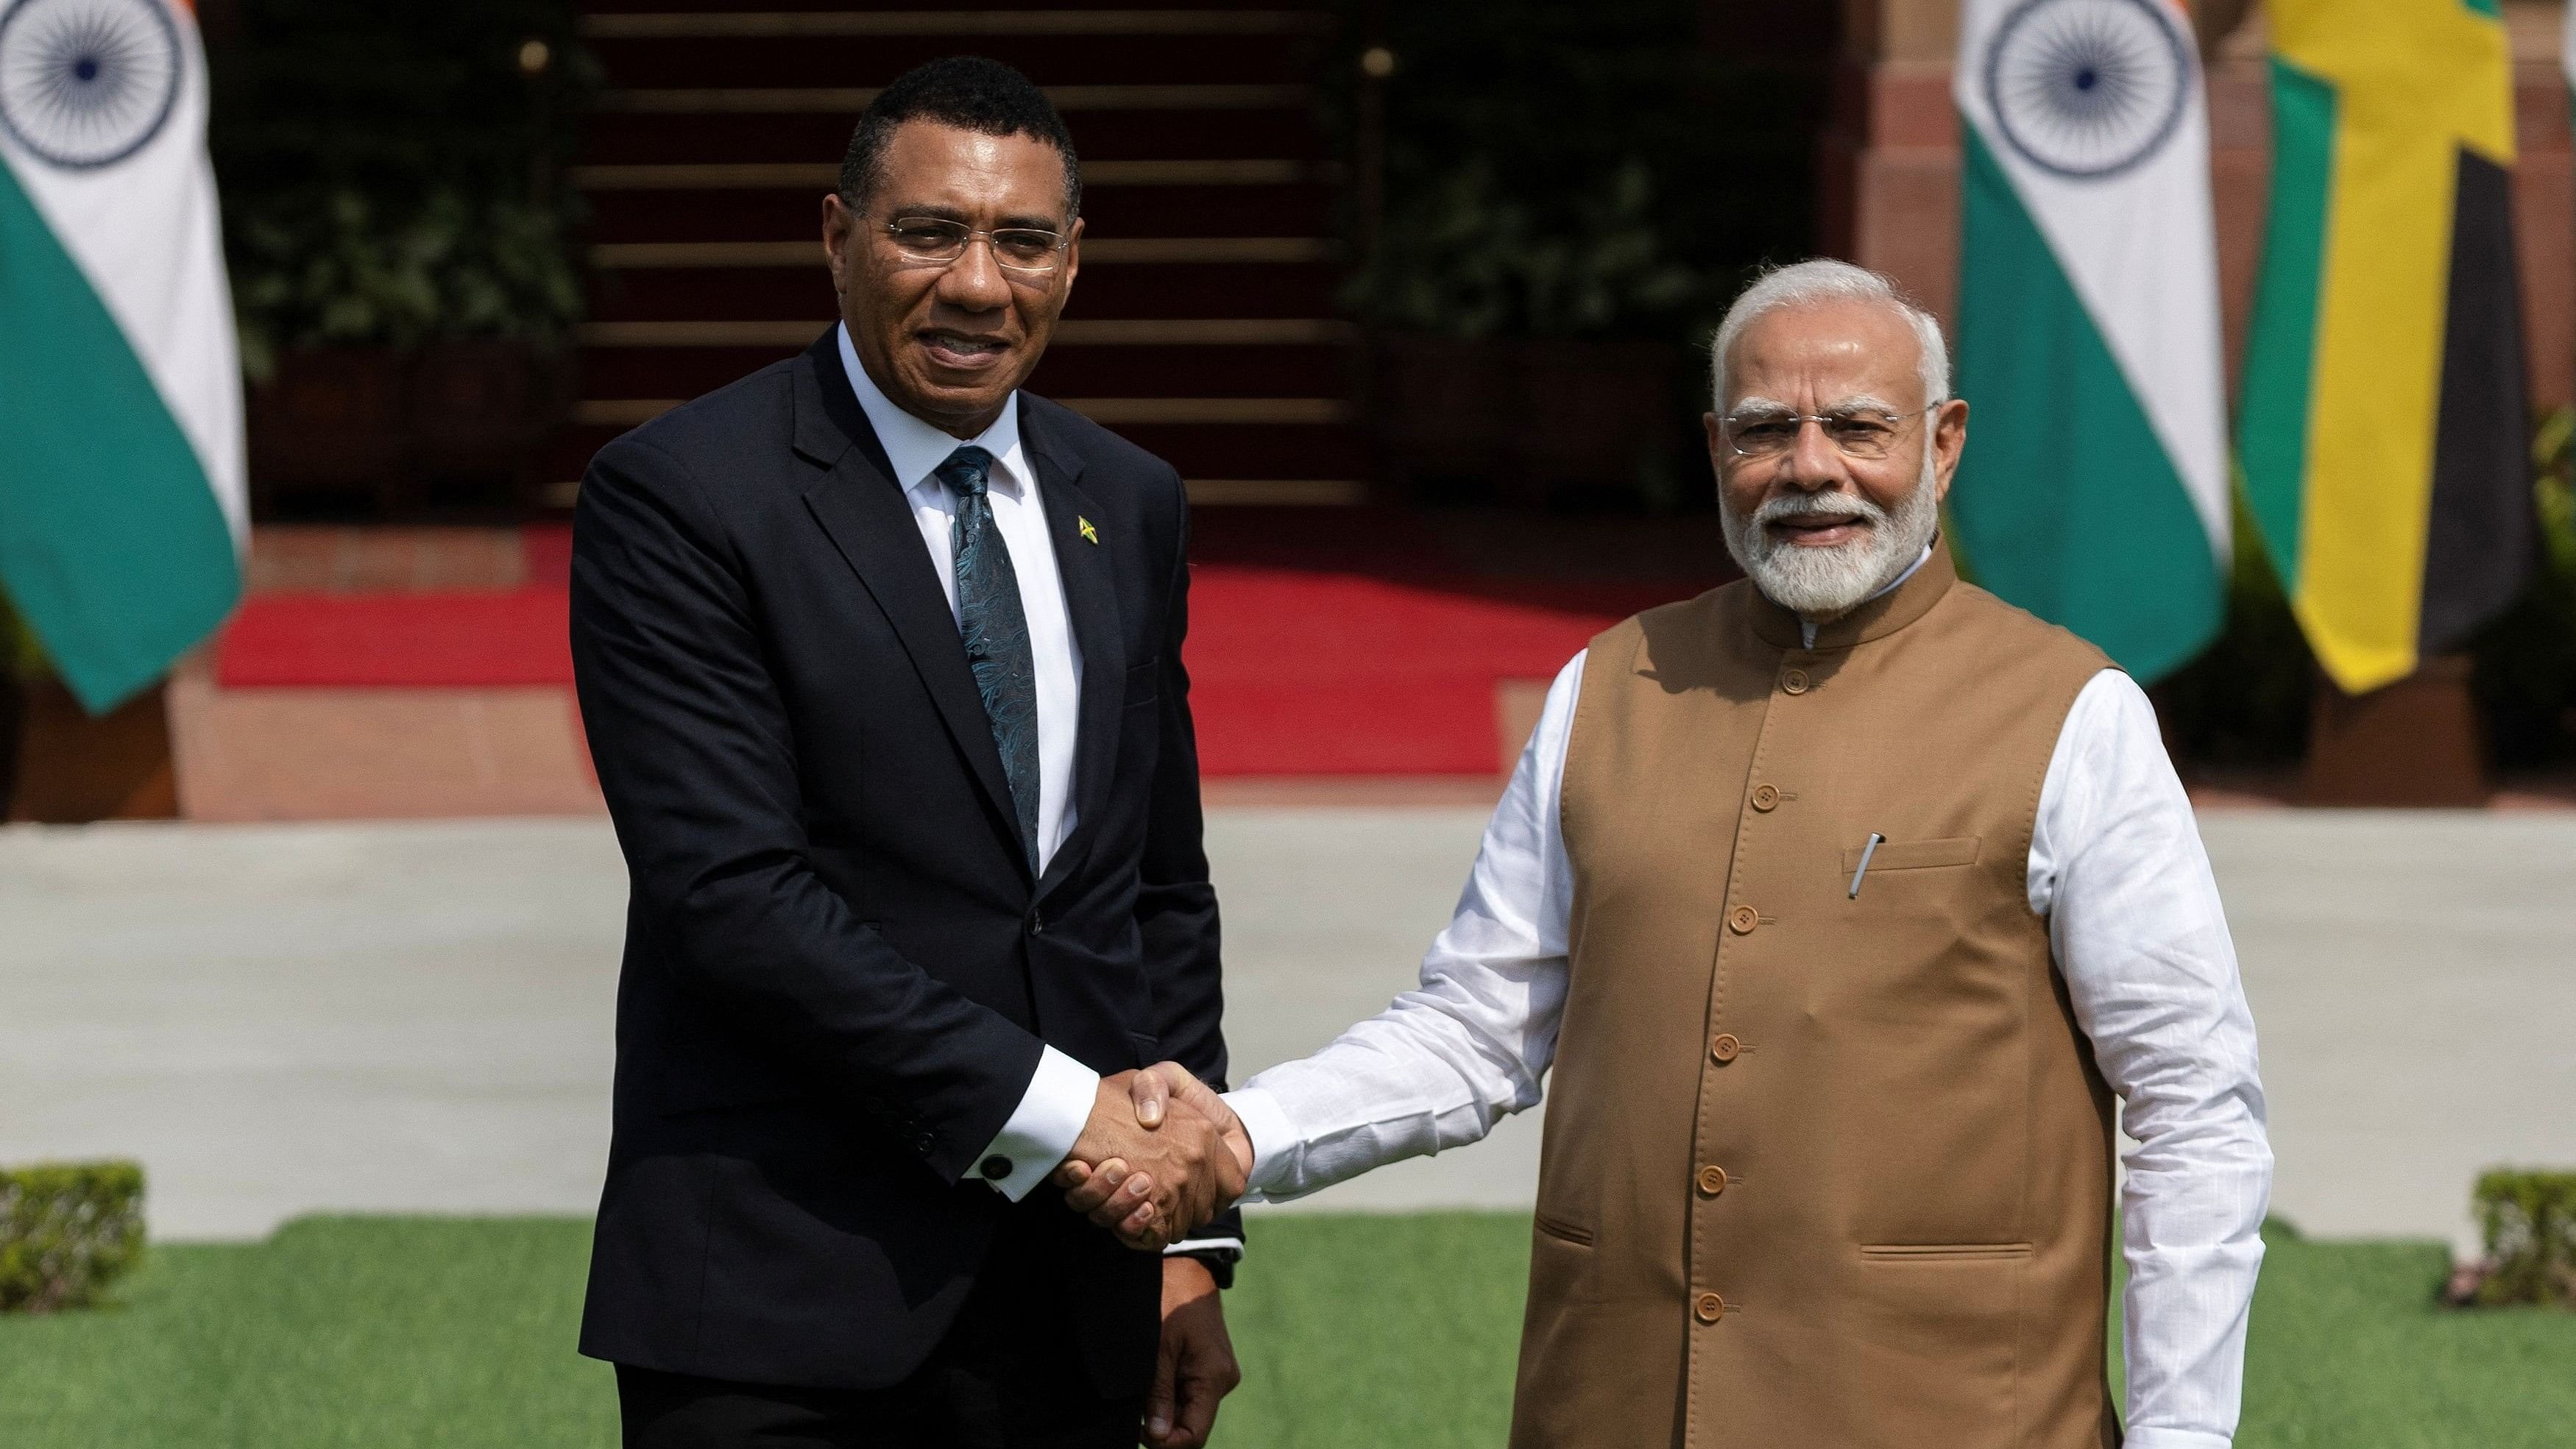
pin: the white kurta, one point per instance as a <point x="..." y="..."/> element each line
<point x="2116" y="866"/>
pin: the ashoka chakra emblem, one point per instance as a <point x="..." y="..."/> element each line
<point x="84" y="83"/>
<point x="2088" y="88"/>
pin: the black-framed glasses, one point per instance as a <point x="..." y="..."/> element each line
<point x="937" y="241"/>
<point x="1857" y="432"/>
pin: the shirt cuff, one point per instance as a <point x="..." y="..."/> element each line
<point x="1273" y="1136"/>
<point x="2175" y="1439"/>
<point x="1041" y="1133"/>
<point x="1229" y="1248"/>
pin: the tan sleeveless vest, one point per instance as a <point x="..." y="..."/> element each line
<point x="1820" y="1171"/>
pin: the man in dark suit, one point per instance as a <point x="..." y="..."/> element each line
<point x="880" y="660"/>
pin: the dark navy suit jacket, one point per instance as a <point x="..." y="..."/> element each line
<point x="838" y="972"/>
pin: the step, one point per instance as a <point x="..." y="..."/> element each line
<point x="1271" y="451"/>
<point x="842" y="100"/>
<point x="813" y="176"/>
<point x="1300" y="209"/>
<point x="707" y="133"/>
<point x="689" y="294"/>
<point x="1104" y="252"/>
<point x="1279" y="370"/>
<point x="1050" y="21"/>
<point x="1121" y="412"/>
<point x="673" y="7"/>
<point x="1103" y="332"/>
<point x="793" y="61"/>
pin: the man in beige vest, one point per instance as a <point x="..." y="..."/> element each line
<point x="1846" y="903"/>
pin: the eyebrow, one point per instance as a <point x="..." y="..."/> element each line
<point x="1022" y="222"/>
<point x="1754" y="407"/>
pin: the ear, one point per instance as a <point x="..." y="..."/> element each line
<point x="1949" y="439"/>
<point x="839" y="226"/>
<point x="1073" y="252"/>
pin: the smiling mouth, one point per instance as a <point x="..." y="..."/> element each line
<point x="1818" y="530"/>
<point x="963" y="350"/>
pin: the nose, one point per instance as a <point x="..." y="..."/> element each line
<point x="974" y="282"/>
<point x="1815" y="464"/>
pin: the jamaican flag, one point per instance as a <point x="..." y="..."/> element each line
<point x="2384" y="431"/>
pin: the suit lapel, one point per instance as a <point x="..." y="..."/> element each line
<point x="1091" y="602"/>
<point x="863" y="510"/>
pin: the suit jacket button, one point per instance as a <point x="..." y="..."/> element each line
<point x="927" y="1143"/>
<point x="1724" y="1046"/>
<point x="1710" y="1308"/>
<point x="1765" y="797"/>
<point x="996" y="1167"/>
<point x="1794" y="681"/>
<point x="1742" y="920"/>
<point x="1037" y="924"/>
<point x="1712" y="1179"/>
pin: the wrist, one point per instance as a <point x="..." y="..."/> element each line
<point x="1194" y="1275"/>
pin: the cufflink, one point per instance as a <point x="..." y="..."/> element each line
<point x="996" y="1167"/>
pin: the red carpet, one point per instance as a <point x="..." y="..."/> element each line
<point x="455" y="639"/>
<point x="1294" y="673"/>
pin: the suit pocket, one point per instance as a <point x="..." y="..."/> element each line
<point x="1913" y="854"/>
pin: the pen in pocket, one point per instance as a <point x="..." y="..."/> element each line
<point x="1866" y="851"/>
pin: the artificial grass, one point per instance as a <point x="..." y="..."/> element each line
<point x="1353" y="1331"/>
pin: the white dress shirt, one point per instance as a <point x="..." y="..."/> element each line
<point x="1051" y="1114"/>
<point x="2135" y="924"/>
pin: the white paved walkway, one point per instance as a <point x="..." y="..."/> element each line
<point x="416" y="1017"/>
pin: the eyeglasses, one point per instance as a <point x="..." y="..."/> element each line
<point x="1863" y="433"/>
<point x="937" y="241"/>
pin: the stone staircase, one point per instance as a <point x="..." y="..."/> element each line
<point x="1202" y="327"/>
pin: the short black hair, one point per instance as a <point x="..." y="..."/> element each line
<point x="970" y="93"/>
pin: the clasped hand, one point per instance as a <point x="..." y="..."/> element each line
<point x="1161" y="1155"/>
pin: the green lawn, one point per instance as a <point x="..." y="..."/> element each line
<point x="1354" y="1331"/>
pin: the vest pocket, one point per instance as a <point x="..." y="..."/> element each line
<point x="1563" y="1232"/>
<point x="1932" y="1332"/>
<point x="1914" y="854"/>
<point x="1941" y="1252"/>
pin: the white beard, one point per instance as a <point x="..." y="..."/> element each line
<point x="1824" y="583"/>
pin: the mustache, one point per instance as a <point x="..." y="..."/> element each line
<point x="1814" y="505"/>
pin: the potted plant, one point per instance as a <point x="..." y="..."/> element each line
<point x="401" y="241"/>
<point x="1556" y="203"/>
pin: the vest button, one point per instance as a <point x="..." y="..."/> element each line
<point x="1710" y="1308"/>
<point x="1794" y="681"/>
<point x="1712" y="1180"/>
<point x="1742" y="920"/>
<point x="1765" y="797"/>
<point x="1724" y="1046"/>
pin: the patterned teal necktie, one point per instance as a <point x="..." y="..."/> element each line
<point x="996" y="630"/>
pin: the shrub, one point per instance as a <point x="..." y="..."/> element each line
<point x="395" y="174"/>
<point x="2530" y="1224"/>
<point x="67" y="1230"/>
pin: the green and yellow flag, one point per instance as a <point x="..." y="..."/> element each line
<point x="2384" y="433"/>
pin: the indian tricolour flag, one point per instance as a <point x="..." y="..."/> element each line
<point x="121" y="498"/>
<point x="2094" y="491"/>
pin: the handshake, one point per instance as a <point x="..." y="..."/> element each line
<point x="1161" y="1155"/>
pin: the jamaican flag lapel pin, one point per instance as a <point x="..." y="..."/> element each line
<point x="1090" y="534"/>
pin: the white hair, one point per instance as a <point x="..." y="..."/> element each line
<point x="1822" y="279"/>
